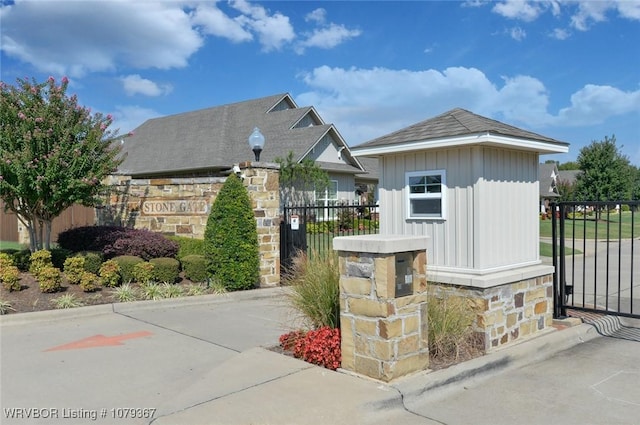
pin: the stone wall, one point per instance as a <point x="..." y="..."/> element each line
<point x="508" y="312"/>
<point x="180" y="206"/>
<point x="384" y="336"/>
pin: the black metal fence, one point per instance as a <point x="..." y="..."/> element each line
<point x="312" y="228"/>
<point x="596" y="255"/>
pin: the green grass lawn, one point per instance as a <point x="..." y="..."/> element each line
<point x="11" y="245"/>
<point x="618" y="226"/>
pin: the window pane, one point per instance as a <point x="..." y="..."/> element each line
<point x="426" y="207"/>
<point x="416" y="180"/>
<point x="434" y="188"/>
<point x="417" y="189"/>
<point x="433" y="179"/>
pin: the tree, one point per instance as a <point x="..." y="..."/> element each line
<point x="231" y="238"/>
<point x="568" y="166"/>
<point x="606" y="173"/>
<point x="300" y="180"/>
<point x="53" y="153"/>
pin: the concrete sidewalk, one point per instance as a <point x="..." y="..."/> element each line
<point x="205" y="361"/>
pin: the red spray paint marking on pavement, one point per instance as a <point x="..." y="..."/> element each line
<point x="100" y="341"/>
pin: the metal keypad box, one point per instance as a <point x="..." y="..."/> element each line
<point x="404" y="274"/>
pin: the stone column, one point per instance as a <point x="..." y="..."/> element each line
<point x="262" y="181"/>
<point x="383" y="325"/>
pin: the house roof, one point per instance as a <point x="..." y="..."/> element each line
<point x="569" y="176"/>
<point x="216" y="138"/>
<point x="455" y="128"/>
<point x="547" y="175"/>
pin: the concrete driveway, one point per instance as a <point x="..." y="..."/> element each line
<point x="199" y="361"/>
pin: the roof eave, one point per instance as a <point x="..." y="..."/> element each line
<point x="485" y="139"/>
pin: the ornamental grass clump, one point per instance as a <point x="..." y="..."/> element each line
<point x="314" y="282"/>
<point x="450" y="326"/>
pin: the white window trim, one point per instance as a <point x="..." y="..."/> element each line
<point x="442" y="195"/>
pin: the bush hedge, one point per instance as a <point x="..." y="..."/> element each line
<point x="165" y="270"/>
<point x="231" y="238"/>
<point x="188" y="246"/>
<point x="113" y="241"/>
<point x="92" y="261"/>
<point x="195" y="268"/>
<point x="127" y="264"/>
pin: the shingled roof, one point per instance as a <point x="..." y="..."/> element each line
<point x="455" y="124"/>
<point x="216" y="138"/>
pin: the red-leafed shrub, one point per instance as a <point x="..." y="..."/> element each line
<point x="320" y="347"/>
<point x="113" y="241"/>
<point x="288" y="340"/>
<point x="90" y="238"/>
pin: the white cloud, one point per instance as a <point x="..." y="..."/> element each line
<point x="327" y="37"/>
<point x="274" y="31"/>
<point x="517" y="33"/>
<point x="77" y="37"/>
<point x="214" y="22"/>
<point x="367" y="103"/>
<point x="135" y="84"/>
<point x="517" y="9"/>
<point x="318" y="16"/>
<point x="560" y="34"/>
<point x="582" y="13"/>
<point x="594" y="104"/>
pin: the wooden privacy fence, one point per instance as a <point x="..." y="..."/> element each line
<point x="75" y="216"/>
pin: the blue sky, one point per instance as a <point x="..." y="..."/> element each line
<point x="565" y="69"/>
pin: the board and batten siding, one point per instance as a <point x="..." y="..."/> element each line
<point x="495" y="187"/>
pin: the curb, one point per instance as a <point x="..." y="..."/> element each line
<point x="440" y="383"/>
<point x="128" y="307"/>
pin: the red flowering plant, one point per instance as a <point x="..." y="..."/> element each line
<point x="320" y="347"/>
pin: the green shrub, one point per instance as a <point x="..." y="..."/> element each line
<point x="195" y="268"/>
<point x="231" y="238"/>
<point x="127" y="263"/>
<point x="110" y="273"/>
<point x="50" y="279"/>
<point x="59" y="256"/>
<point x="39" y="260"/>
<point x="143" y="272"/>
<point x="22" y="259"/>
<point x="92" y="261"/>
<point x="73" y="269"/>
<point x="6" y="259"/>
<point x="165" y="270"/>
<point x="315" y="288"/>
<point x="89" y="282"/>
<point x="10" y="277"/>
<point x="188" y="246"/>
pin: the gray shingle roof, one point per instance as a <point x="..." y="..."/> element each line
<point x="548" y="188"/>
<point x="216" y="138"/>
<point x="456" y="122"/>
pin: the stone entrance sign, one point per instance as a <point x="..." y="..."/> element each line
<point x="160" y="206"/>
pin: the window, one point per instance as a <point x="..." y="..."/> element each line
<point x="426" y="194"/>
<point x="329" y="196"/>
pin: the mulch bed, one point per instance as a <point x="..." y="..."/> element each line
<point x="31" y="299"/>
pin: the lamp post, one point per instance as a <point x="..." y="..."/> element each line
<point x="256" y="142"/>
